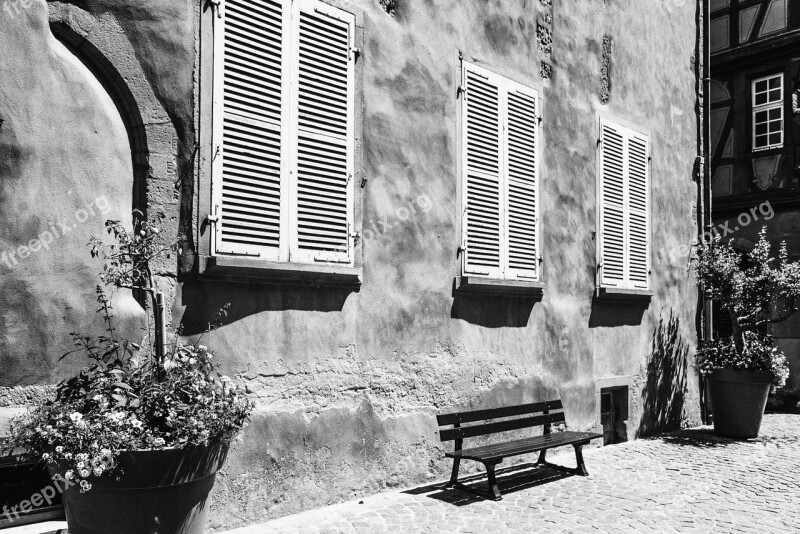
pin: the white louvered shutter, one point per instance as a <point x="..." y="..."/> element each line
<point x="639" y="212"/>
<point x="521" y="182"/>
<point x="612" y="206"/>
<point x="322" y="152"/>
<point x="250" y="143"/>
<point x="482" y="165"/>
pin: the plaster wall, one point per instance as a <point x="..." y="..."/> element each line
<point x="348" y="383"/>
<point x="65" y="167"/>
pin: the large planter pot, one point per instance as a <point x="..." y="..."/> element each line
<point x="163" y="492"/>
<point x="738" y="398"/>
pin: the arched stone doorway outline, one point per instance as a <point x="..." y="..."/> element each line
<point x="102" y="46"/>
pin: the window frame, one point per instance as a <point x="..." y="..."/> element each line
<point x="627" y="288"/>
<point x="502" y="279"/>
<point x="767" y="107"/>
<point x="271" y="270"/>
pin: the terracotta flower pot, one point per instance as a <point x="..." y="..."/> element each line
<point x="164" y="492"/>
<point x="738" y="398"/>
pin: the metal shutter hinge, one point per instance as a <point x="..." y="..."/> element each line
<point x="212" y="218"/>
<point x="215" y="4"/>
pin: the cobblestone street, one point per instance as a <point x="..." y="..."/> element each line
<point x="689" y="481"/>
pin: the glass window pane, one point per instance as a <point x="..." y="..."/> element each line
<point x="775" y="113"/>
<point x="761" y="141"/>
<point x="775" y="126"/>
<point x="761" y="116"/>
<point x="761" y="86"/>
<point x="775" y="139"/>
<point x="774" y="82"/>
<point x="761" y="98"/>
<point x="775" y="95"/>
<point x="761" y="129"/>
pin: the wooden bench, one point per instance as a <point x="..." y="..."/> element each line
<point x="549" y="413"/>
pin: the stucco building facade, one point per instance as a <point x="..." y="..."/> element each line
<point x="438" y="204"/>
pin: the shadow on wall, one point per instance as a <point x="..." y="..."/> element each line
<point x="617" y="313"/>
<point x="492" y="311"/>
<point x="665" y="391"/>
<point x="203" y="299"/>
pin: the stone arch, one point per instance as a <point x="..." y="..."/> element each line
<point x="102" y="46"/>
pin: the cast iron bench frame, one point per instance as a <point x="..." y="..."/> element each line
<point x="491" y="455"/>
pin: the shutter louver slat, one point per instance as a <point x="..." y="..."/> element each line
<point x="323" y="193"/>
<point x="612" y="207"/>
<point x="638" y="244"/>
<point x="521" y="173"/>
<point x="483" y="167"/>
<point x="247" y="183"/>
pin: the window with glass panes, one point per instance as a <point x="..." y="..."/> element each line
<point x="768" y="112"/>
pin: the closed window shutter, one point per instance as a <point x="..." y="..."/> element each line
<point x="483" y="166"/>
<point x="612" y="206"/>
<point x="638" y="220"/>
<point x="521" y="182"/>
<point x="322" y="185"/>
<point x="250" y="143"/>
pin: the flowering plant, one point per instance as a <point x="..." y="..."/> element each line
<point x="759" y="355"/>
<point x="131" y="397"/>
<point x="754" y="290"/>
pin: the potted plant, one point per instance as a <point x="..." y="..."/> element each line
<point x="135" y="439"/>
<point x="754" y="290"/>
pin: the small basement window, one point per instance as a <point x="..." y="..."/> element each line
<point x="614" y="414"/>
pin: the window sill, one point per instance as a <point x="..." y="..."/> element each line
<point x="476" y="285"/>
<point x="231" y="269"/>
<point x="614" y="294"/>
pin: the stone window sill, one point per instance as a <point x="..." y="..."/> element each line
<point x="476" y="285"/>
<point x="231" y="269"/>
<point x="614" y="294"/>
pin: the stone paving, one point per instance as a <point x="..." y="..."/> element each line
<point x="688" y="481"/>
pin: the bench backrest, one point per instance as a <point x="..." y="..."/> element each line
<point x="550" y="412"/>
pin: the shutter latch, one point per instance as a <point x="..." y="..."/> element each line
<point x="461" y="91"/>
<point x="354" y="52"/>
<point x="212" y="218"/>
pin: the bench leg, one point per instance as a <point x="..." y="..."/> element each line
<point x="542" y="456"/>
<point x="493" y="487"/>
<point x="454" y="474"/>
<point x="581" y="469"/>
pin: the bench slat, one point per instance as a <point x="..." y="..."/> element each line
<point x="501" y="426"/>
<point x="496" y="413"/>
<point x="522" y="446"/>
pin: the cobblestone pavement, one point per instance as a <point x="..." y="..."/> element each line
<point x="689" y="481"/>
